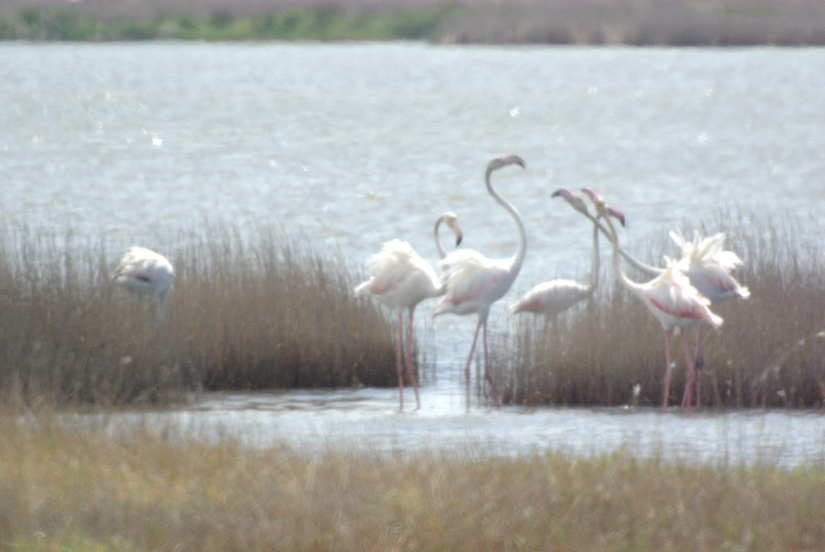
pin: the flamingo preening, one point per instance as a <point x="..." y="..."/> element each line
<point x="669" y="297"/>
<point x="146" y="273"/>
<point x="400" y="280"/>
<point x="474" y="282"/>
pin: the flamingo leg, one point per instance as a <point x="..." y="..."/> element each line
<point x="667" y="369"/>
<point x="487" y="375"/>
<point x="399" y="365"/>
<point x="688" y="395"/>
<point x="410" y="368"/>
<point x="467" y="366"/>
<point x="699" y="364"/>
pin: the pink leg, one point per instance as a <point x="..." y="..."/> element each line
<point x="667" y="369"/>
<point x="400" y="366"/>
<point x="691" y="373"/>
<point x="467" y="367"/>
<point x="487" y="375"/>
<point x="699" y="363"/>
<point x="410" y="368"/>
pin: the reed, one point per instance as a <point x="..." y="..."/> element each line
<point x="132" y="489"/>
<point x="770" y="351"/>
<point x="272" y="312"/>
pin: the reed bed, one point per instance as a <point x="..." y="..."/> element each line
<point x="631" y="22"/>
<point x="136" y="490"/>
<point x="769" y="352"/>
<point x="267" y="313"/>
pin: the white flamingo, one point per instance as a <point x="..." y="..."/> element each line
<point x="475" y="282"/>
<point x="400" y="280"/>
<point x="146" y="273"/>
<point x="669" y="297"/>
<point x="556" y="296"/>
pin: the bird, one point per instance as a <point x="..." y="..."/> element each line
<point x="474" y="282"/>
<point x="669" y="297"/>
<point x="401" y="279"/>
<point x="556" y="296"/>
<point x="708" y="267"/>
<point x="703" y="261"/>
<point x="148" y="274"/>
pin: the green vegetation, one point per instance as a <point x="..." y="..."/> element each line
<point x="557" y="22"/>
<point x="768" y="353"/>
<point x="130" y="489"/>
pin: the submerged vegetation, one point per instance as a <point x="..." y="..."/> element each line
<point x="646" y="22"/>
<point x="131" y="489"/>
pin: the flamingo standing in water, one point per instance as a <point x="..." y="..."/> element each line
<point x="556" y="296"/>
<point x="475" y="282"/>
<point x="146" y="273"/>
<point x="669" y="297"/>
<point x="400" y="280"/>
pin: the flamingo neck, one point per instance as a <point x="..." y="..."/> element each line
<point x="518" y="258"/>
<point x="594" y="276"/>
<point x="617" y="263"/>
<point x="441" y="251"/>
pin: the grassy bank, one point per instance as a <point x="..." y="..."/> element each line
<point x="768" y="353"/>
<point x="136" y="491"/>
<point x="643" y="22"/>
<point x="270" y="313"/>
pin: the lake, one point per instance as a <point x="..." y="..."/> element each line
<point x="352" y="144"/>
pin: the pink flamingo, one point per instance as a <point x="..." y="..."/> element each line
<point x="669" y="297"/>
<point x="556" y="296"/>
<point x="703" y="261"/>
<point x="475" y="282"/>
<point x="400" y="280"/>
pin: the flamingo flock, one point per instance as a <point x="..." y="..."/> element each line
<point x="678" y="295"/>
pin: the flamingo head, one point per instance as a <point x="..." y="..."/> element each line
<point x="616" y="214"/>
<point x="504" y="160"/>
<point x="451" y="219"/>
<point x="597" y="200"/>
<point x="575" y="200"/>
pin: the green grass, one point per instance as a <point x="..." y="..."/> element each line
<point x="131" y="489"/>
<point x="557" y="22"/>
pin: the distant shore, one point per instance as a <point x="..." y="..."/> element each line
<point x="596" y="22"/>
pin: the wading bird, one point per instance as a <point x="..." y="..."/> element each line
<point x="400" y="279"/>
<point x="669" y="297"/>
<point x="475" y="282"/>
<point x="146" y="273"/>
<point x="556" y="296"/>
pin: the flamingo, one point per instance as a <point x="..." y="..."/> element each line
<point x="146" y="273"/>
<point x="400" y="280"/>
<point x="556" y="296"/>
<point x="475" y="282"/>
<point x="669" y="297"/>
<point x="703" y="261"/>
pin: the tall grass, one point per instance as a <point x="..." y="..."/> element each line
<point x="272" y="312"/>
<point x="134" y="490"/>
<point x="770" y="351"/>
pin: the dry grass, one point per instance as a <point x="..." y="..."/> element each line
<point x="138" y="491"/>
<point x="768" y="353"/>
<point x="274" y="313"/>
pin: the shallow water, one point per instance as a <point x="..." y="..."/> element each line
<point x="354" y="144"/>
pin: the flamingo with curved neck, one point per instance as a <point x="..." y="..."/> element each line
<point x="475" y="282"/>
<point x="400" y="280"/>
<point x="669" y="297"/>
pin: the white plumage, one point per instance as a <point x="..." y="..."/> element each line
<point x="146" y="273"/>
